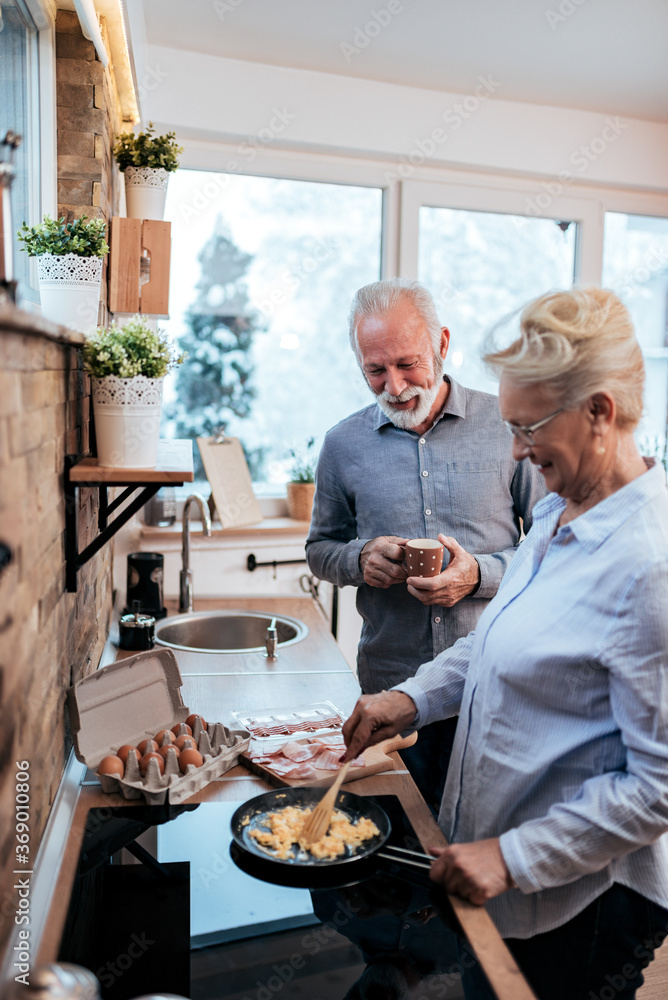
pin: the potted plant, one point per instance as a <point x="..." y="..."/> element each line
<point x="69" y="267"/>
<point x="301" y="485"/>
<point x="146" y="160"/>
<point x="128" y="365"/>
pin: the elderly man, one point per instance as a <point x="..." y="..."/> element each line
<point x="429" y="458"/>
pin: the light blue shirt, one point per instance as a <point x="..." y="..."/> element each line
<point x="562" y="742"/>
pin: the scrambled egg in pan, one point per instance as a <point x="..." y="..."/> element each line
<point x="285" y="827"/>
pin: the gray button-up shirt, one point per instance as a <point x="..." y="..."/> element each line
<point x="458" y="478"/>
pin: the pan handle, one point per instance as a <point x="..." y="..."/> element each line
<point x="387" y="852"/>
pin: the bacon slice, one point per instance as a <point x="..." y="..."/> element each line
<point x="299" y="752"/>
<point x="303" y="772"/>
<point x="303" y="760"/>
<point x="288" y="769"/>
<point x="329" y="761"/>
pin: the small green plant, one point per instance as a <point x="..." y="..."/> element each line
<point x="84" y="237"/>
<point x="302" y="469"/>
<point x="129" y="350"/>
<point x="146" y="149"/>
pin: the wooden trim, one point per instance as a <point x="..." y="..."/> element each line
<point x="174" y="465"/>
<point x="157" y="241"/>
<point x="124" y="257"/>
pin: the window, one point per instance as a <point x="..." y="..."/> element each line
<point x="19" y="111"/>
<point x="263" y="273"/>
<point x="273" y="335"/>
<point x="482" y="266"/>
<point x="635" y="265"/>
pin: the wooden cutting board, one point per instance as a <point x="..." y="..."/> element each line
<point x="375" y="760"/>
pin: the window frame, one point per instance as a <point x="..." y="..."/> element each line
<point x="39" y="18"/>
<point x="440" y="187"/>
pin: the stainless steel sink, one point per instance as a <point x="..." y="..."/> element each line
<point x="228" y="631"/>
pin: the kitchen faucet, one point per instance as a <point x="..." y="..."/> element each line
<point x="186" y="575"/>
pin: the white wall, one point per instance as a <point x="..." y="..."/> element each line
<point x="212" y="98"/>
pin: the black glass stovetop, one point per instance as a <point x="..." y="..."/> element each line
<point x="159" y="904"/>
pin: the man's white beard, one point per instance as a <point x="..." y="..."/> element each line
<point x="407" y="419"/>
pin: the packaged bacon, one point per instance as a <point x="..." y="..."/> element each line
<point x="304" y="720"/>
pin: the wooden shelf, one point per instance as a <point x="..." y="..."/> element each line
<point x="174" y="466"/>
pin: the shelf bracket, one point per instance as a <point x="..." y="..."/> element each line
<point x="74" y="559"/>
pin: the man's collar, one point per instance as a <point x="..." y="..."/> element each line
<point x="455" y="406"/>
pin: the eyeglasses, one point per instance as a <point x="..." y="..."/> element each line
<point x="525" y="434"/>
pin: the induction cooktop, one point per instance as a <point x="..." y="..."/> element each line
<point x="159" y="904"/>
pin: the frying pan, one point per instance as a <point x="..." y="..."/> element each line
<point x="301" y="869"/>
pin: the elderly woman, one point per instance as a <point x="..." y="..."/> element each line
<point x="557" y="795"/>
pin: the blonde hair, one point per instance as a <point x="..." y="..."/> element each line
<point x="580" y="342"/>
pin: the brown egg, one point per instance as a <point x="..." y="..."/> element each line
<point x="167" y="749"/>
<point x="147" y="746"/>
<point x="182" y="729"/>
<point x="190" y="757"/>
<point x="186" y="743"/>
<point x="165" y="735"/>
<point x="190" y="721"/>
<point x="111" y="765"/>
<point x="146" y="760"/>
<point x="123" y="751"/>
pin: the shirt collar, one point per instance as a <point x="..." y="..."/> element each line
<point x="597" y="524"/>
<point x="455" y="405"/>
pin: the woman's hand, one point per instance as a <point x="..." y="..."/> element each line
<point x="475" y="871"/>
<point x="375" y="718"/>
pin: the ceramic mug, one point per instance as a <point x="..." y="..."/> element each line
<point x="424" y="557"/>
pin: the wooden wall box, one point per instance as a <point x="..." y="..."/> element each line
<point x="129" y="240"/>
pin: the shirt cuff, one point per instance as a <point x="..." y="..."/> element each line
<point x="515" y="859"/>
<point x="352" y="561"/>
<point x="415" y="692"/>
<point x="491" y="572"/>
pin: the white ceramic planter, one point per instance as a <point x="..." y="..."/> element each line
<point x="127" y="420"/>
<point x="145" y="192"/>
<point x="69" y="289"/>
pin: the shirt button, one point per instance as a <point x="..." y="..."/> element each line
<point x="407" y="927"/>
<point x="428" y="511"/>
<point x="422" y="441"/>
<point x="437" y="620"/>
<point x="425" y="473"/>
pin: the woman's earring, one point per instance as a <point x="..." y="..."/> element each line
<point x="600" y="450"/>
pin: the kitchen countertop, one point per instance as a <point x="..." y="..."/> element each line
<point x="311" y="670"/>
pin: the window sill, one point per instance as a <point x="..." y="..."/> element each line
<point x="15" y="320"/>
<point x="270" y="526"/>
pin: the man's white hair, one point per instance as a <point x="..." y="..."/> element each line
<point x="381" y="297"/>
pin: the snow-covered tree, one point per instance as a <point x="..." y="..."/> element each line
<point x="215" y="382"/>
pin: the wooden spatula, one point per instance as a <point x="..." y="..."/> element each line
<point x="317" y="824"/>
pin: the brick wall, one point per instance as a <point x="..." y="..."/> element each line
<point x="48" y="637"/>
<point x="89" y="118"/>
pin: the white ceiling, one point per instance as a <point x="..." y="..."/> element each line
<point x="608" y="56"/>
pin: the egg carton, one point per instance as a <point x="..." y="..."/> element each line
<point x="131" y="700"/>
<point x="220" y="748"/>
